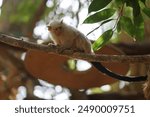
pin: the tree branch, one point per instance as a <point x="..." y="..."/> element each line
<point x="20" y="43"/>
<point x="36" y="17"/>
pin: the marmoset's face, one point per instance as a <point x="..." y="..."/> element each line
<point x="55" y="28"/>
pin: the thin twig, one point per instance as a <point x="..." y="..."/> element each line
<point x="105" y="21"/>
<point x="119" y="16"/>
<point x="17" y="42"/>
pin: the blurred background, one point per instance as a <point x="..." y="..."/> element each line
<point x="28" y="19"/>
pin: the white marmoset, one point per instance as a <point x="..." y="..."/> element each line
<point x="68" y="37"/>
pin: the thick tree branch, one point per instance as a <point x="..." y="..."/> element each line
<point x="140" y="48"/>
<point x="20" y="43"/>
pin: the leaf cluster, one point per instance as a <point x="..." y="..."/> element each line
<point x="130" y="18"/>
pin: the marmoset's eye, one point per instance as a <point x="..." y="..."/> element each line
<point x="49" y="27"/>
<point x="59" y="27"/>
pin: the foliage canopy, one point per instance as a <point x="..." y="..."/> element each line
<point x="129" y="16"/>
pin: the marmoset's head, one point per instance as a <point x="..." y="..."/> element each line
<point x="55" y="27"/>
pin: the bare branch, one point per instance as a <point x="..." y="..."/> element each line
<point x="20" y="43"/>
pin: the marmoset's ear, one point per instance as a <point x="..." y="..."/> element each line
<point x="61" y="21"/>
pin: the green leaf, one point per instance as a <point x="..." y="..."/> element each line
<point x="128" y="2"/>
<point x="71" y="64"/>
<point x="146" y="11"/>
<point x="118" y="27"/>
<point x="127" y="25"/>
<point x="139" y="28"/>
<point x="103" y="39"/>
<point x="143" y="1"/>
<point x="100" y="16"/>
<point x="136" y="8"/>
<point x="104" y="22"/>
<point x="98" y="4"/>
<point x="118" y="3"/>
<point x="135" y="5"/>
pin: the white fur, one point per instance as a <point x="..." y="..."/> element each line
<point x="69" y="37"/>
